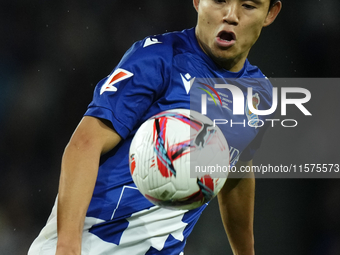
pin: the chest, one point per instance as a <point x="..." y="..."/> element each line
<point x="193" y="86"/>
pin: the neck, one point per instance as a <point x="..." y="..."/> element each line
<point x="232" y="65"/>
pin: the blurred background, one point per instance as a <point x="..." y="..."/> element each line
<point x="52" y="54"/>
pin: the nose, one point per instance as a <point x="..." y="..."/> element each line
<point x="231" y="14"/>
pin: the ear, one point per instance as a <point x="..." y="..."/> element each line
<point x="272" y="14"/>
<point x="196" y="3"/>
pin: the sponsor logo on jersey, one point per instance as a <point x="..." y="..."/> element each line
<point x="150" y="41"/>
<point x="204" y="97"/>
<point x="209" y="93"/>
<point x="187" y="81"/>
<point x="117" y="76"/>
<point x="253" y="119"/>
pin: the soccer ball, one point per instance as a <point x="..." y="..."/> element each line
<point x="169" y="157"/>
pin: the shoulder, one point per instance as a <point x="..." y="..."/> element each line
<point x="252" y="71"/>
<point x="160" y="48"/>
<point x="261" y="80"/>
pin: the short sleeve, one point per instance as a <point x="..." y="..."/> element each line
<point x="133" y="86"/>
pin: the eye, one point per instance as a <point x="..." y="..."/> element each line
<point x="248" y="6"/>
<point x="219" y="1"/>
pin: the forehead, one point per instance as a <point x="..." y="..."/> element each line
<point x="255" y="1"/>
<point x="262" y="3"/>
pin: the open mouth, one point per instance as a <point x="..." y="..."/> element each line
<point x="226" y="36"/>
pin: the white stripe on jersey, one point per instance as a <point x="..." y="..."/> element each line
<point x="147" y="228"/>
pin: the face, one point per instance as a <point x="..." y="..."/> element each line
<point x="227" y="29"/>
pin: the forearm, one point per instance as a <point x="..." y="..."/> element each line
<point x="77" y="180"/>
<point x="236" y="202"/>
<point x="79" y="169"/>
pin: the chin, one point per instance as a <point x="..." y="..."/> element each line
<point x="223" y="57"/>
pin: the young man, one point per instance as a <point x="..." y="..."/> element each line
<point x="98" y="209"/>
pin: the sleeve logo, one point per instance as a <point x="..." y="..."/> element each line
<point x="117" y="76"/>
<point x="150" y="41"/>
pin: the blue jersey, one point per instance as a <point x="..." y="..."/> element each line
<point x="153" y="76"/>
<point x="160" y="73"/>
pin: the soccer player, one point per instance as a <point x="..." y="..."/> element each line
<point x="98" y="209"/>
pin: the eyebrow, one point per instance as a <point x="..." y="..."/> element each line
<point x="255" y="1"/>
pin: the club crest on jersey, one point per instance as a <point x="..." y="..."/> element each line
<point x="253" y="118"/>
<point x="117" y="76"/>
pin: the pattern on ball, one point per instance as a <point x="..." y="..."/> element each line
<point x="165" y="151"/>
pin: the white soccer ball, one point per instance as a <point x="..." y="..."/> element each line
<point x="172" y="156"/>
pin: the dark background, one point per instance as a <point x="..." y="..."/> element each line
<point x="52" y="53"/>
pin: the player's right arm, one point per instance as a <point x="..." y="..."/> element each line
<point x="92" y="138"/>
<point x="141" y="82"/>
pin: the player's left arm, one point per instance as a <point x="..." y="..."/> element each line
<point x="236" y="203"/>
